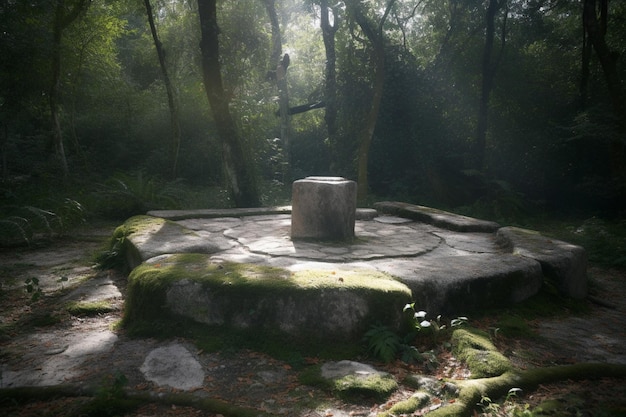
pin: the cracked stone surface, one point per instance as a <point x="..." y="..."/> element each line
<point x="451" y="263"/>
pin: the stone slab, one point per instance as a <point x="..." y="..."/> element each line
<point x="218" y="213"/>
<point x="161" y="237"/>
<point x="443" y="284"/>
<point x="562" y="262"/>
<point x="436" y="217"/>
<point x="173" y="366"/>
<point x="448" y="271"/>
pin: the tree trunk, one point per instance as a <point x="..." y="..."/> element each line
<point x="239" y="173"/>
<point x="608" y="60"/>
<point x="489" y="68"/>
<point x="61" y="21"/>
<point x="279" y="67"/>
<point x="366" y="134"/>
<point x="584" y="71"/>
<point x="330" y="75"/>
<point x="171" y="97"/>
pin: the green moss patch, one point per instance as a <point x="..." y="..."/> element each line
<point x="355" y="388"/>
<point x="481" y="356"/>
<point x="88" y="309"/>
<point x="312" y="303"/>
<point x="352" y="388"/>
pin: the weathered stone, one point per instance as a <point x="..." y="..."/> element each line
<point x="441" y="269"/>
<point x="562" y="262"/>
<point x="436" y="217"/>
<point x="323" y="208"/>
<point x="337" y="304"/>
<point x="152" y="236"/>
<point x="458" y="284"/>
<point x="334" y="370"/>
<point x="173" y="366"/>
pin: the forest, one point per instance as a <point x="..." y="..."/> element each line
<point x="503" y="109"/>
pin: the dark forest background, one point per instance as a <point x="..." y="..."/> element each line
<point x="511" y="110"/>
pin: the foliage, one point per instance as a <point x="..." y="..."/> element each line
<point x="125" y="195"/>
<point x="22" y="224"/>
<point x="387" y="345"/>
<point x="111" y="399"/>
<point x="509" y="408"/>
<point x="31" y="286"/>
<point x="604" y="240"/>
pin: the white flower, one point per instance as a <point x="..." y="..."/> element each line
<point x="425" y="323"/>
<point x="420" y="314"/>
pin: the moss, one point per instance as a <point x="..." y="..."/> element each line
<point x="237" y="286"/>
<point x="351" y="388"/>
<point x="481" y="356"/>
<point x="408" y="406"/>
<point x="511" y="325"/>
<point x="356" y="388"/>
<point x="89" y="308"/>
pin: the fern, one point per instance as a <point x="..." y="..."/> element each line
<point x="383" y="342"/>
<point x="15" y="230"/>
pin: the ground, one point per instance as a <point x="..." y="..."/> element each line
<point x="44" y="342"/>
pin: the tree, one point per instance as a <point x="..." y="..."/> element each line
<point x="489" y="68"/>
<point x="278" y="67"/>
<point x="64" y="15"/>
<point x="239" y="171"/>
<point x="330" y="71"/>
<point x="171" y="97"/>
<point x="595" y="31"/>
<point x="374" y="34"/>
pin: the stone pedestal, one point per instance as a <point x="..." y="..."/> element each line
<point x="323" y="208"/>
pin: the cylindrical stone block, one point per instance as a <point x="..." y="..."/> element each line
<point x="323" y="208"/>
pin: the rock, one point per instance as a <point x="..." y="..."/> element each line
<point x="351" y="379"/>
<point x="173" y="366"/>
<point x="335" y="370"/>
<point x="458" y="284"/>
<point x="323" y="208"/>
<point x="151" y="236"/>
<point x="562" y="262"/>
<point x="439" y="218"/>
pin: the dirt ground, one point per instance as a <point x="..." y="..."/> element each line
<point x="42" y="344"/>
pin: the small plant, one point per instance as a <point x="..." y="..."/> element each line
<point x="435" y="326"/>
<point x="62" y="280"/>
<point x="111" y="399"/>
<point x="383" y="342"/>
<point x="387" y="345"/>
<point x="508" y="408"/>
<point x="113" y="257"/>
<point x="31" y="286"/>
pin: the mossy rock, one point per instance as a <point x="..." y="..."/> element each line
<point x="481" y="356"/>
<point x="356" y="388"/>
<point x="311" y="303"/>
<point x="351" y="381"/>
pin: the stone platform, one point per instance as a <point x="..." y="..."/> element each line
<point x="247" y="271"/>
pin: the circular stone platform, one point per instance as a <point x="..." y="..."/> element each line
<point x="445" y="263"/>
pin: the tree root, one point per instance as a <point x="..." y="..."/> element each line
<point x="471" y="391"/>
<point x="19" y="395"/>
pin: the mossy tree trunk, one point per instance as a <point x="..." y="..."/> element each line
<point x="171" y="97"/>
<point x="374" y="34"/>
<point x="238" y="168"/>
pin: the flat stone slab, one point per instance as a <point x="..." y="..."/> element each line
<point x="440" y="218"/>
<point x="449" y="264"/>
<point x="173" y="366"/>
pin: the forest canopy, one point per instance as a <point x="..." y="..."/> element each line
<point x="506" y="104"/>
